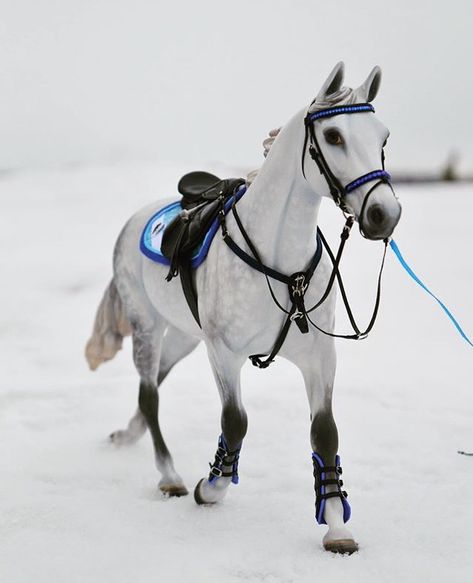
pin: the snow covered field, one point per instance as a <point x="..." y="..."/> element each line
<point x="73" y="508"/>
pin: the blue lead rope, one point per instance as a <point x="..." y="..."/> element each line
<point x="402" y="261"/>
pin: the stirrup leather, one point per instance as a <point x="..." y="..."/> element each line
<point x="224" y="459"/>
<point x="320" y="486"/>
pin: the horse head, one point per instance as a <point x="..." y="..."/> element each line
<point x="346" y="142"/>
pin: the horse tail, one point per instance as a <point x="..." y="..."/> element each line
<point x="110" y="327"/>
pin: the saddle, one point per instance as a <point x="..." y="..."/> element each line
<point x="203" y="197"/>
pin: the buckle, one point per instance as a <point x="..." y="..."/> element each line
<point x="217" y="472"/>
<point x="297" y="284"/>
<point x="297" y="315"/>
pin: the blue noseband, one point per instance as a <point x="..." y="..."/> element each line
<point x="374" y="175"/>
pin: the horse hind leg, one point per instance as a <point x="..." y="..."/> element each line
<point x="176" y="346"/>
<point x="147" y="344"/>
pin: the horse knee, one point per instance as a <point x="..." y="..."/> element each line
<point x="324" y="434"/>
<point x="234" y="425"/>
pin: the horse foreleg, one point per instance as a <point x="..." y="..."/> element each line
<point x="331" y="505"/>
<point x="226" y="367"/>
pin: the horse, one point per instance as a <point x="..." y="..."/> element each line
<point x="332" y="148"/>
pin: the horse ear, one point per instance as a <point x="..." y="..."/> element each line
<point x="333" y="83"/>
<point x="368" y="91"/>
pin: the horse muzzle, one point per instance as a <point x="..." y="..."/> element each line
<point x="381" y="214"/>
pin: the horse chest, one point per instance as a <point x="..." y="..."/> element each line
<point x="235" y="303"/>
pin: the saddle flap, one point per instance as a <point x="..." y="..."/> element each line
<point x="188" y="229"/>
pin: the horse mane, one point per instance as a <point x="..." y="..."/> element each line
<point x="344" y="96"/>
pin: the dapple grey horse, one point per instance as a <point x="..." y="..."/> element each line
<point x="279" y="212"/>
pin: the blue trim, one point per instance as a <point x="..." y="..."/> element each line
<point x="200" y="254"/>
<point x="320" y="517"/>
<point x="402" y="261"/>
<point x="332" y="111"/>
<point x="374" y="175"/>
<point x="154" y="255"/>
<point x="345" y="504"/>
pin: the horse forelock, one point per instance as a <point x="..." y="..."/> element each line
<point x="344" y="96"/>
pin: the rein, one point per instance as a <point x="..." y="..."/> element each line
<point x="299" y="281"/>
<point x="298" y="284"/>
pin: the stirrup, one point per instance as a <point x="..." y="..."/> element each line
<point x="320" y="483"/>
<point x="222" y="461"/>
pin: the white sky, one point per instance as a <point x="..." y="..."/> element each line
<point x="199" y="82"/>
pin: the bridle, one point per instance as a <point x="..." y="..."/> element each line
<point x="298" y="282"/>
<point x="336" y="188"/>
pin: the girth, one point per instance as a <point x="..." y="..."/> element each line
<point x="203" y="198"/>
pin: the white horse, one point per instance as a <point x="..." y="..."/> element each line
<point x="279" y="212"/>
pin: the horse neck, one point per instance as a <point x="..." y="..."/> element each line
<point x="280" y="209"/>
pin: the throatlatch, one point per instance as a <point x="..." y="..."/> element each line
<point x="224" y="459"/>
<point x="320" y="486"/>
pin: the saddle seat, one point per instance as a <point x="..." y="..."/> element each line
<point x="196" y="187"/>
<point x="203" y="196"/>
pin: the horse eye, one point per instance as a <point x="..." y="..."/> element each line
<point x="333" y="137"/>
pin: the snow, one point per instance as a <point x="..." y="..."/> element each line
<point x="74" y="508"/>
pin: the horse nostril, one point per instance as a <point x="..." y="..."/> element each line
<point x="376" y="215"/>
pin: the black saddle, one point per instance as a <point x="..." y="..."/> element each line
<point x="203" y="197"/>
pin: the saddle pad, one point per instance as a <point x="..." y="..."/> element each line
<point x="152" y="236"/>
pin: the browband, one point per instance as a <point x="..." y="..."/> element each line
<point x="338" y="110"/>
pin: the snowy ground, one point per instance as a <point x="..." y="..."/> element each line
<point x="73" y="508"/>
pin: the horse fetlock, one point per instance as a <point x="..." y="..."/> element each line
<point x="123" y="437"/>
<point x="210" y="493"/>
<point x="172" y="486"/>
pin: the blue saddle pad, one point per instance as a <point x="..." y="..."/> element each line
<point x="152" y="236"/>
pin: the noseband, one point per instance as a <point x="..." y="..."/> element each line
<point x="337" y="190"/>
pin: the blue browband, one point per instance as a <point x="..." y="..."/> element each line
<point x="338" y="110"/>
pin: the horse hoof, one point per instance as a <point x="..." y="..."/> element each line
<point x="343" y="546"/>
<point x="198" y="496"/>
<point x="122" y="437"/>
<point x="174" y="491"/>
